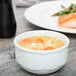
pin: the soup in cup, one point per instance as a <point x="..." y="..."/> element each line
<point x="41" y="51"/>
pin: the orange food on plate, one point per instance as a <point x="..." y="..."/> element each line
<point x="40" y="40"/>
<point x="48" y="48"/>
<point x="41" y="43"/>
<point x="67" y="21"/>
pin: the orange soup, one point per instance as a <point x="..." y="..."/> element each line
<point x="41" y="43"/>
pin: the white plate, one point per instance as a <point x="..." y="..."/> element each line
<point x="41" y="15"/>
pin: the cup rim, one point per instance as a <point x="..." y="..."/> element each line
<point x="42" y="51"/>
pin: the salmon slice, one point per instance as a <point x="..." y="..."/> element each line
<point x="67" y="21"/>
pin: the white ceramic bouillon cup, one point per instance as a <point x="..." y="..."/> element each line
<point x="41" y="62"/>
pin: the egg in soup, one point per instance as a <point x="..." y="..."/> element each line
<point x="41" y="43"/>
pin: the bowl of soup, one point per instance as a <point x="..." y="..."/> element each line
<point x="41" y="51"/>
